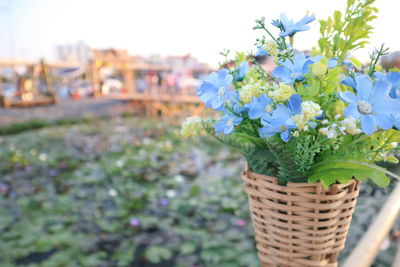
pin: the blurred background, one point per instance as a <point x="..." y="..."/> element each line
<point x="93" y="170"/>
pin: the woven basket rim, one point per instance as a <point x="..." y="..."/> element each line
<point x="274" y="180"/>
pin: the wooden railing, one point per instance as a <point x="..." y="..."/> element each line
<point x="368" y="247"/>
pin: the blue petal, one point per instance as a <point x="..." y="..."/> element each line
<point x="352" y="111"/>
<point x="217" y="103"/>
<point x="256" y="112"/>
<point x="222" y="73"/>
<point x="261" y="52"/>
<point x="299" y="60"/>
<point x="294" y="104"/>
<point x="332" y="63"/>
<point x="349" y="81"/>
<point x="228" y="129"/>
<point x="364" y="87"/>
<point x="393" y="77"/>
<point x="285" y="136"/>
<point x="284" y="74"/>
<point x="307" y="19"/>
<point x="384" y="121"/>
<point x="389" y="106"/>
<point x="268" y="131"/>
<point x="396" y="119"/>
<point x="381" y="90"/>
<point x="348" y="97"/>
<point x="368" y="124"/>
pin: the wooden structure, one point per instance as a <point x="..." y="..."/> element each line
<point x="154" y="100"/>
<point x="28" y="92"/>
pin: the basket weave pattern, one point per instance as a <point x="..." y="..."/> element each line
<point x="300" y="224"/>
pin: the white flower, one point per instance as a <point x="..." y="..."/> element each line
<point x="350" y="125"/>
<point x="296" y="134"/>
<point x="281" y="93"/>
<point x="310" y="109"/>
<point x="272" y="48"/>
<point x="250" y="90"/>
<point x="329" y="132"/>
<point x="192" y="126"/>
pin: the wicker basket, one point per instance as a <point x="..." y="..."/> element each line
<point x="300" y="224"/>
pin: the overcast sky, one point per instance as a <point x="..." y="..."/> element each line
<point x="32" y="28"/>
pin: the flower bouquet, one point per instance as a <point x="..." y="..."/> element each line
<point x="310" y="131"/>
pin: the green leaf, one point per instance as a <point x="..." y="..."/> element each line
<point x="356" y="62"/>
<point x="188" y="248"/>
<point x="156" y="254"/>
<point x="343" y="171"/>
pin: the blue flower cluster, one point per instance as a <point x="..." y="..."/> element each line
<point x="215" y="90"/>
<point x="280" y="121"/>
<point x="373" y="104"/>
<point x="291" y="71"/>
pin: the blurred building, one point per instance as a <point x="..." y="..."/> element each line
<point x="76" y="52"/>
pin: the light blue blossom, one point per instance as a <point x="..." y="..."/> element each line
<point x="372" y="104"/>
<point x="227" y="123"/>
<point x="259" y="107"/>
<point x="289" y="27"/>
<point x="351" y="80"/>
<point x="281" y="119"/>
<point x="242" y="70"/>
<point x="215" y="90"/>
<point x="292" y="71"/>
<point x="394" y="78"/>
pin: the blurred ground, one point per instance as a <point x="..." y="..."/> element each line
<point x="67" y="108"/>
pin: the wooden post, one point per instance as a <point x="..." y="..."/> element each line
<point x="368" y="247"/>
<point x="128" y="80"/>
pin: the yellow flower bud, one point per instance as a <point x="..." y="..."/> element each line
<point x="319" y="69"/>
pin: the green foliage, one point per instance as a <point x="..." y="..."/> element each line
<point x="347" y="32"/>
<point x="157" y="254"/>
<point x="342" y="171"/>
<point x="73" y="190"/>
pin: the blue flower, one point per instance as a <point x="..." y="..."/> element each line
<point x="215" y="90"/>
<point x="293" y="71"/>
<point x="227" y="123"/>
<point x="372" y="104"/>
<point x="351" y="80"/>
<point x="394" y="79"/>
<point x="281" y="119"/>
<point x="242" y="70"/>
<point x="258" y="107"/>
<point x="289" y="27"/>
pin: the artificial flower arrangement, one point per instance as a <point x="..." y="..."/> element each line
<point x="310" y="131"/>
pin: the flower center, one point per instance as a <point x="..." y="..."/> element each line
<point x="364" y="107"/>
<point x="268" y="108"/>
<point x="221" y="91"/>
<point x="229" y="122"/>
<point x="283" y="128"/>
<point x="295" y="75"/>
